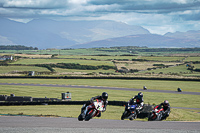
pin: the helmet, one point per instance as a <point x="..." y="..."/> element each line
<point x="166" y="103"/>
<point x="105" y="95"/>
<point x="140" y="95"/>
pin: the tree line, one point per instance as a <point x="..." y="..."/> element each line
<point x="17" y="47"/>
<point x="135" y="49"/>
<point x="75" y="66"/>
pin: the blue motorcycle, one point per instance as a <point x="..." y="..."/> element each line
<point x="130" y="112"/>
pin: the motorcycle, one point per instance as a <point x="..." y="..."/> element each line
<point x="156" y="114"/>
<point x="130" y="112"/>
<point x="92" y="110"/>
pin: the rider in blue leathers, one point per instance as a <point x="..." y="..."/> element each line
<point x="139" y="101"/>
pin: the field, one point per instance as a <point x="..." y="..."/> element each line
<point x="126" y="66"/>
<point x="128" y="62"/>
<point x="6" y="70"/>
<point x="132" y="50"/>
<point x="54" y="61"/>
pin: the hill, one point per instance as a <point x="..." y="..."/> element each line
<point x="148" y="40"/>
<point x="45" y="33"/>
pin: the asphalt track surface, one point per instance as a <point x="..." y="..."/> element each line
<point x="101" y="87"/>
<point x="23" y="124"/>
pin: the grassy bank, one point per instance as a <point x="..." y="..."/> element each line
<point x="112" y="112"/>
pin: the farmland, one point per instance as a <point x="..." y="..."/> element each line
<point x="122" y="61"/>
<point x="149" y="63"/>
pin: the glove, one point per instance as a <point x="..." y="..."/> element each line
<point x="163" y="112"/>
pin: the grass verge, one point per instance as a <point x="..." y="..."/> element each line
<point x="112" y="112"/>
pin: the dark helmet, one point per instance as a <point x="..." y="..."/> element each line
<point x="140" y="95"/>
<point x="166" y="103"/>
<point x="104" y="95"/>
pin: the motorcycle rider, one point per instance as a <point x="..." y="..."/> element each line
<point x="166" y="108"/>
<point x="139" y="101"/>
<point x="104" y="97"/>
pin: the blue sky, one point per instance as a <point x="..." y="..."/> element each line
<point x="158" y="16"/>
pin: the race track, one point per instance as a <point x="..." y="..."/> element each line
<point x="23" y="124"/>
<point x="101" y="87"/>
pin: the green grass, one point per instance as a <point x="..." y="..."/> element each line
<point x="176" y="69"/>
<point x="10" y="69"/>
<point x="109" y="51"/>
<point x="112" y="112"/>
<point x="63" y="52"/>
<point x="90" y="57"/>
<point x="184" y="115"/>
<point x="53" y="61"/>
<point x="192" y="59"/>
<point x="142" y="65"/>
<point x="79" y="94"/>
<point x="121" y="61"/>
<point x="162" y="58"/>
<point x="191" y="86"/>
<point x="59" y="110"/>
<point x="76" y="71"/>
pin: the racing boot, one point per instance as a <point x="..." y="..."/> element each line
<point x="135" y="116"/>
<point x="131" y="118"/>
<point x="99" y="115"/>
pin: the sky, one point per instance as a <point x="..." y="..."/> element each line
<point x="157" y="16"/>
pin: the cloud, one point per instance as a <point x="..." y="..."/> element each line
<point x="33" y="4"/>
<point x="147" y="13"/>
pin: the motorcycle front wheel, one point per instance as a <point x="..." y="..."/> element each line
<point x="80" y="117"/>
<point x="124" y="115"/>
<point x="152" y="117"/>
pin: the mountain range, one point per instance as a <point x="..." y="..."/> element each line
<point x="46" y="33"/>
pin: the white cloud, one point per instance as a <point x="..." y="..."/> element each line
<point x="78" y="1"/>
<point x="158" y="16"/>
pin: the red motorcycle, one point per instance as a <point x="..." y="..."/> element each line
<point x="92" y="110"/>
<point x="156" y="114"/>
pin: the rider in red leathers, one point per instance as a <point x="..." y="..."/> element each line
<point x="166" y="108"/>
<point x="103" y="97"/>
